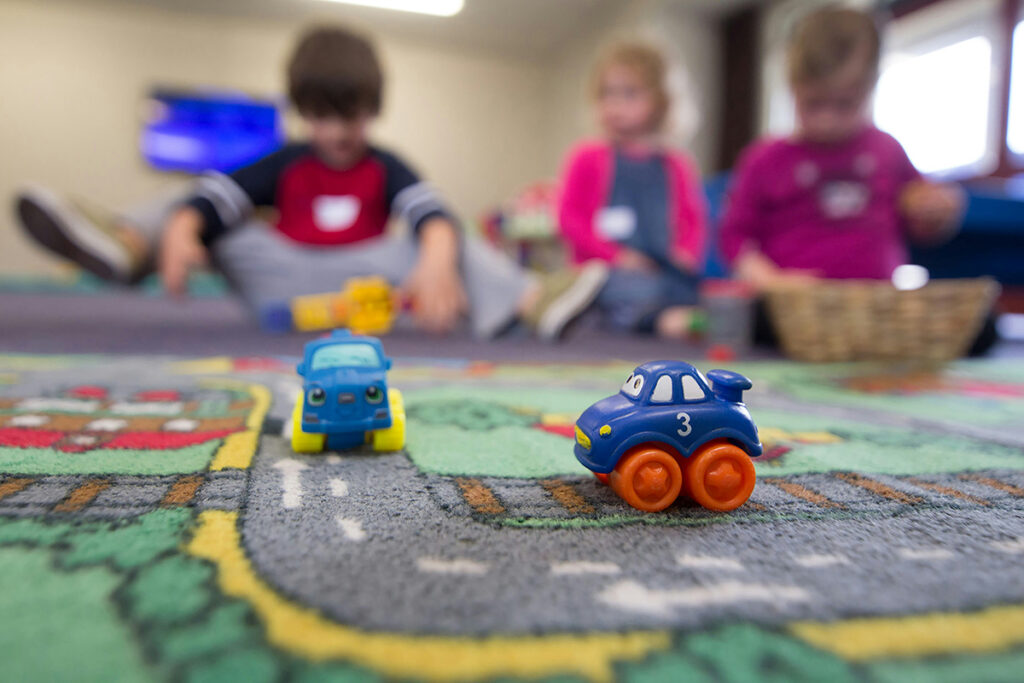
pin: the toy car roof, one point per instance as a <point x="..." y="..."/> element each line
<point x="342" y="336"/>
<point x="672" y="367"/>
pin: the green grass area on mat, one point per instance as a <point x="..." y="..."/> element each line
<point x="200" y="284"/>
<point x="501" y="452"/>
<point x="448" y="443"/>
<point x="870" y="448"/>
<point x="63" y="626"/>
<point x="825" y="384"/>
<point x="509" y="449"/>
<point x="108" y="461"/>
<point x="995" y="668"/>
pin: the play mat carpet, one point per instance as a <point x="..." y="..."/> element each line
<point x="154" y="525"/>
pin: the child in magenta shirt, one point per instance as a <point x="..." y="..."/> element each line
<point x="633" y="204"/>
<point x="839" y="198"/>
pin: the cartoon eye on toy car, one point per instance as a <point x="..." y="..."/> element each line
<point x="345" y="400"/>
<point x="668" y="431"/>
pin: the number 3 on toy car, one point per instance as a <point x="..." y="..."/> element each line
<point x="684" y="419"/>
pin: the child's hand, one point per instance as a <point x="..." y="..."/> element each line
<point x="932" y="211"/>
<point x="434" y="286"/>
<point x="181" y="250"/>
<point x="794" y="277"/>
<point x="631" y="259"/>
<point x="754" y="267"/>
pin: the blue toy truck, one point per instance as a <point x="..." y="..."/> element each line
<point x="345" y="400"/>
<point x="669" y="431"/>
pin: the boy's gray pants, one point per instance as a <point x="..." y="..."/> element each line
<point x="265" y="268"/>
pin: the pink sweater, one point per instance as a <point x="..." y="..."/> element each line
<point x="586" y="182"/>
<point x="833" y="209"/>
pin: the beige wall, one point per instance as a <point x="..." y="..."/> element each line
<point x="689" y="38"/>
<point x="73" y="75"/>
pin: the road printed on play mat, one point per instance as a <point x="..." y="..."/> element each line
<point x="394" y="553"/>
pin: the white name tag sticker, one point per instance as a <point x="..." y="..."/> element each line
<point x="615" y="223"/>
<point x="335" y="213"/>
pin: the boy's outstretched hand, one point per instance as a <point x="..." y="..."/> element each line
<point x="435" y="286"/>
<point x="181" y="250"/>
<point x="933" y="211"/>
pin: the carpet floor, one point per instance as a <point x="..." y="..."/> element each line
<point x="155" y="525"/>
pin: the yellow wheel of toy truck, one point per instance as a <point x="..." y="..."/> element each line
<point x="304" y="442"/>
<point x="648" y="478"/>
<point x="392" y="438"/>
<point x="720" y="476"/>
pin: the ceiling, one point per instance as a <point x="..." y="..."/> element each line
<point x="526" y="28"/>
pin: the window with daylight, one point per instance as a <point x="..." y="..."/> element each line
<point x="938" y="90"/>
<point x="950" y="86"/>
<point x="938" y="104"/>
<point x="1015" y="129"/>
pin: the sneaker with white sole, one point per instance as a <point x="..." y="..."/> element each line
<point x="565" y="296"/>
<point x="86" y="236"/>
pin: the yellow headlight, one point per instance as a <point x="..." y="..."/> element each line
<point x="605" y="430"/>
<point x="582" y="439"/>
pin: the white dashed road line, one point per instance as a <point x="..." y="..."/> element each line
<point x="814" y="561"/>
<point x="1015" y="546"/>
<point x="30" y="420"/>
<point x="106" y="424"/>
<point x="924" y="553"/>
<point x="632" y="596"/>
<point x="64" y="405"/>
<point x="351" y="529"/>
<point x="705" y="562"/>
<point x="165" y="408"/>
<point x="578" y="568"/>
<point x="436" y="565"/>
<point x="339" y="487"/>
<point x="182" y="424"/>
<point x="291" y="482"/>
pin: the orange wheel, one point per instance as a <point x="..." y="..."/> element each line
<point x="648" y="478"/>
<point x="601" y="477"/>
<point x="720" y="476"/>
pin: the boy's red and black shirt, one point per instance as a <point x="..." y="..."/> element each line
<point x="317" y="204"/>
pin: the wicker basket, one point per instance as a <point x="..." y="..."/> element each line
<point x="844" y="320"/>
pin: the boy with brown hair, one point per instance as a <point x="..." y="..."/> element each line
<point x="333" y="196"/>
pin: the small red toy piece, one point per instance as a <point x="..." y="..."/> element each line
<point x="721" y="353"/>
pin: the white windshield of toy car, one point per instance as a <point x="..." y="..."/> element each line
<point x="346" y="356"/>
<point x="692" y="390"/>
<point x="634" y="383"/>
<point x="662" y="390"/>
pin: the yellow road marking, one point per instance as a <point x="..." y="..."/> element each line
<point x="303" y="631"/>
<point x="941" y="633"/>
<point x="216" y="365"/>
<point x="238" y="448"/>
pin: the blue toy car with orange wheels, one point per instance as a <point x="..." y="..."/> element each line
<point x="669" y="431"/>
<point x="345" y="401"/>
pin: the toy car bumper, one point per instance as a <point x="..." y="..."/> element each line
<point x="586" y="458"/>
<point x="345" y="426"/>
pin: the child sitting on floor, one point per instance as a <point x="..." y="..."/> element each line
<point x="838" y="198"/>
<point x="333" y="197"/>
<point x="633" y="203"/>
